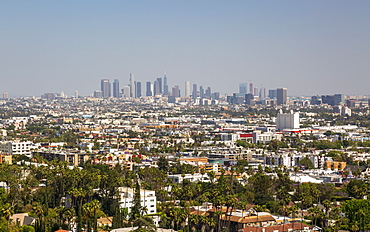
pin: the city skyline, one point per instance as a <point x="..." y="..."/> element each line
<point x="310" y="47"/>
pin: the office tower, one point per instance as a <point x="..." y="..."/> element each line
<point x="201" y="92"/>
<point x="62" y="95"/>
<point x="165" y="85"/>
<point x="281" y="96"/>
<point x="105" y="88"/>
<point x="156" y="87"/>
<point x="148" y="89"/>
<point x="132" y="86"/>
<point x="272" y="93"/>
<point x="138" y="89"/>
<point x="160" y="90"/>
<point x="126" y="91"/>
<point x="76" y="94"/>
<point x="98" y="94"/>
<point x="315" y="100"/>
<point x="187" y="88"/>
<point x="5" y="95"/>
<point x="176" y="91"/>
<point x="255" y="91"/>
<point x="195" y="91"/>
<point x="338" y="99"/>
<point x="216" y="95"/>
<point x="116" y="88"/>
<point x="332" y="100"/>
<point x="243" y="89"/>
<point x="208" y="92"/>
<point x="251" y="88"/>
<point x="249" y="99"/>
<point x="262" y="94"/>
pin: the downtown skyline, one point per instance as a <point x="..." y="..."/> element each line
<point x="308" y="47"/>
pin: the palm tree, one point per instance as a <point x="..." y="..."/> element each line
<point x="203" y="219"/>
<point x="194" y="220"/>
<point x="95" y="205"/>
<point x="7" y="211"/>
<point x="146" y="223"/>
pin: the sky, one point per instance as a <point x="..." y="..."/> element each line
<point x="310" y="47"/>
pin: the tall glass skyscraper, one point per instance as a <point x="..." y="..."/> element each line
<point x="116" y="88"/>
<point x="105" y="88"/>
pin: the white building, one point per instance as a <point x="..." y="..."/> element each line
<point x="17" y="147"/>
<point x="178" y="178"/>
<point x="287" y="121"/>
<point x="148" y="199"/>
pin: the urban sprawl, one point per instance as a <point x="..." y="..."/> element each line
<point x="164" y="160"/>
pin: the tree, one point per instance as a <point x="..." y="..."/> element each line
<point x="145" y="224"/>
<point x="306" y="162"/>
<point x="358" y="214"/>
<point x="356" y="188"/>
<point x="136" y="209"/>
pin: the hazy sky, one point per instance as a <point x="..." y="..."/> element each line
<point x="310" y="47"/>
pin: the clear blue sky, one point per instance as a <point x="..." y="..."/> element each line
<point x="310" y="47"/>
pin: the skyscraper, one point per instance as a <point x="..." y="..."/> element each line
<point x="243" y="89"/>
<point x="281" y="96"/>
<point x="195" y="91"/>
<point x="126" y="91"/>
<point x="156" y="87"/>
<point x="160" y="86"/>
<point x="138" y="89"/>
<point x="201" y="92"/>
<point x="76" y="94"/>
<point x="116" y="88"/>
<point x="165" y="85"/>
<point x="208" y="92"/>
<point x="132" y="86"/>
<point x="176" y="91"/>
<point x="98" y="94"/>
<point x="187" y="88"/>
<point x="105" y="88"/>
<point x="148" y="89"/>
<point x="251" y="88"/>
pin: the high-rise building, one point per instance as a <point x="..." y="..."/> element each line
<point x="315" y="100"/>
<point x="215" y="96"/>
<point x="176" y="91"/>
<point x="148" y="89"/>
<point x="208" y="92"/>
<point x="262" y="94"/>
<point x="255" y="91"/>
<point x="126" y="91"/>
<point x="5" y="95"/>
<point x="243" y="89"/>
<point x="332" y="100"/>
<point x="98" y="94"/>
<point x="132" y="86"/>
<point x="160" y="90"/>
<point x="287" y="121"/>
<point x="105" y="88"/>
<point x="116" y="88"/>
<point x="195" y="91"/>
<point x="272" y="93"/>
<point x="201" y="92"/>
<point x="281" y="96"/>
<point x="249" y="99"/>
<point x="187" y="88"/>
<point x="165" y="85"/>
<point x="76" y="94"/>
<point x="138" y="89"/>
<point x="156" y="88"/>
<point x="251" y="88"/>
